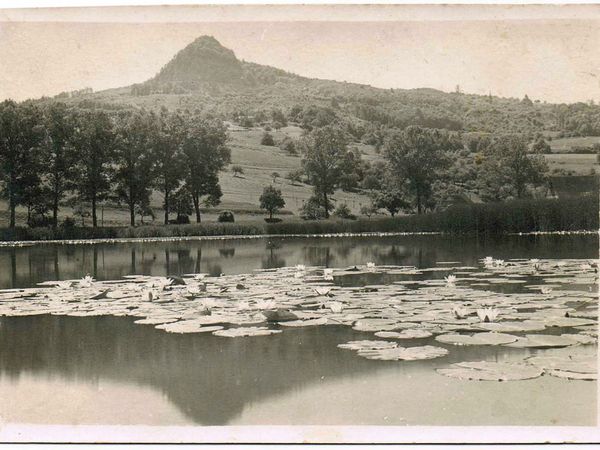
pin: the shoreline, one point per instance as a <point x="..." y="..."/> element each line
<point x="232" y="237"/>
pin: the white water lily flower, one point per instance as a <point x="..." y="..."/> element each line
<point x="335" y="307"/>
<point x="450" y="279"/>
<point x="328" y="274"/>
<point x="300" y="267"/>
<point x="64" y="284"/>
<point x="546" y="290"/>
<point x="371" y="265"/>
<point x="209" y="303"/>
<point x="499" y="262"/>
<point x="534" y="261"/>
<point x="86" y="282"/>
<point x="149" y="295"/>
<point x="161" y="283"/>
<point x="196" y="290"/>
<point x="488" y="261"/>
<point x="460" y="313"/>
<point x="487" y="314"/>
<point x="199" y="276"/>
<point x="265" y="304"/>
<point x="322" y="290"/>
<point x="243" y="306"/>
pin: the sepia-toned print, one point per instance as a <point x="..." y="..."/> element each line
<point x="331" y="223"/>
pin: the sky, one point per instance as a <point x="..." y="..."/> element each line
<point x="550" y="53"/>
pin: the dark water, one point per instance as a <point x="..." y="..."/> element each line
<point x="25" y="266"/>
<point x="106" y="370"/>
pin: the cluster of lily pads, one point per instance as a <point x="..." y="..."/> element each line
<point x="463" y="308"/>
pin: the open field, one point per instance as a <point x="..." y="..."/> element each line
<point x="580" y="163"/>
<point x="566" y="145"/>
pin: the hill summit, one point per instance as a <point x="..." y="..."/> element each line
<point x="205" y="60"/>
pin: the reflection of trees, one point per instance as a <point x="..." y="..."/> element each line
<point x="272" y="260"/>
<point x="227" y="252"/>
<point x="318" y="256"/>
<point x="214" y="269"/>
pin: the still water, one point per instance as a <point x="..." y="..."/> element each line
<point x="106" y="370"/>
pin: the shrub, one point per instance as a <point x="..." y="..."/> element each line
<point x="288" y="145"/>
<point x="226" y="216"/>
<point x="343" y="212"/>
<point x="267" y="139"/>
<point x="68" y="223"/>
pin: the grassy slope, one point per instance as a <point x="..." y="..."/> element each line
<point x="241" y="193"/>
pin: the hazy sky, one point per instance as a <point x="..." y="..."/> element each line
<point x="548" y="52"/>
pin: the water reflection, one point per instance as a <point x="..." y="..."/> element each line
<point x="26" y="266"/>
<point x="216" y="381"/>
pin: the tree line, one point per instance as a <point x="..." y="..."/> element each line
<point x="51" y="154"/>
<point x="423" y="169"/>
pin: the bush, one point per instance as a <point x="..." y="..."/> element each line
<point x="267" y="139"/>
<point x="226" y="216"/>
<point x="273" y="220"/>
<point x="343" y="212"/>
<point x="68" y="223"/>
<point x="312" y="209"/>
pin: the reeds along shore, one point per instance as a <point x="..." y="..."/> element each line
<point x="519" y="216"/>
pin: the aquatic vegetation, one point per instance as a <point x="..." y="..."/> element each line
<point x="244" y="332"/>
<point x="544" y="341"/>
<point x="406" y="334"/>
<point x="487" y="314"/>
<point x="450" y="280"/>
<point x="368" y="345"/>
<point x="499" y="304"/>
<point x="86" y="282"/>
<point x="322" y="290"/>
<point x="335" y="307"/>
<point x="403" y="353"/>
<point x="492" y="338"/>
<point x="491" y="371"/>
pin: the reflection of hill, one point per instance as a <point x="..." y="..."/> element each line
<point x="209" y="379"/>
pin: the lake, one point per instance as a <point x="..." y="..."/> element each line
<point x="57" y="369"/>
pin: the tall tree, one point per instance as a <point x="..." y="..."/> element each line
<point x="94" y="141"/>
<point x="507" y="170"/>
<point x="168" y="158"/>
<point x="205" y="155"/>
<point x="325" y="151"/>
<point x="419" y="156"/>
<point x="59" y="156"/>
<point x="21" y="134"/>
<point x="134" y="161"/>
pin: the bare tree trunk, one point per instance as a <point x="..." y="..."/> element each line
<point x="326" y="205"/>
<point x="55" y="211"/>
<point x="166" y="207"/>
<point x="12" y="204"/>
<point x="196" y="207"/>
<point x="94" y="216"/>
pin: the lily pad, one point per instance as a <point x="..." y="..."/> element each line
<point x="404" y="353"/>
<point x="406" y="334"/>
<point x="513" y="326"/>
<point x="580" y="364"/>
<point x="491" y="371"/>
<point x="246" y="331"/>
<point x="305" y="323"/>
<point x="543" y="341"/>
<point x="476" y="339"/>
<point x="375" y="325"/>
<point x="368" y="345"/>
<point x="573" y="375"/>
